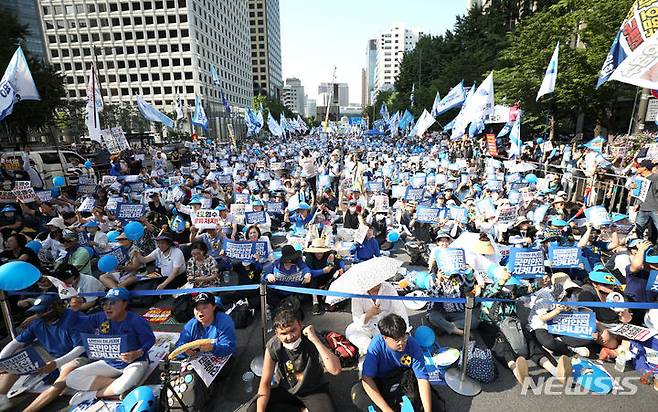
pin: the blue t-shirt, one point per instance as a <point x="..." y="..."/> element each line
<point x="221" y="329"/>
<point x="136" y="329"/>
<point x="56" y="338"/>
<point x="382" y="360"/>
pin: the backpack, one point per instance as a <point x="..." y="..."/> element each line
<point x="183" y="308"/>
<point x="241" y="314"/>
<point x="341" y="347"/>
<point x="480" y="364"/>
<point x="146" y="301"/>
<point x="512" y="330"/>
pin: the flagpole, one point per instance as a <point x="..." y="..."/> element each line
<point x="630" y="124"/>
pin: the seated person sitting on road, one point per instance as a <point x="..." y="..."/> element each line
<point x="112" y="377"/>
<point x="394" y="367"/>
<point x="50" y="331"/>
<point x="325" y="266"/>
<point x="81" y="283"/>
<point x="210" y="323"/>
<point x="202" y="270"/>
<point x="125" y="274"/>
<point x="299" y="359"/>
<point x="289" y="270"/>
<point x="169" y="261"/>
<point x="366" y="313"/>
<point x="76" y="255"/>
<point x="369" y="248"/>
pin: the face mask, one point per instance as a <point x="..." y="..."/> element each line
<point x="352" y="209"/>
<point x="294" y="345"/>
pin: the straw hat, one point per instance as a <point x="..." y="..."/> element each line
<point x="563" y="279"/>
<point x="483" y="247"/>
<point x="318" y="245"/>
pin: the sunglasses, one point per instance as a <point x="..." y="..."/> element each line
<point x="109" y="302"/>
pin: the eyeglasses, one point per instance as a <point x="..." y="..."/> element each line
<point x="400" y="340"/>
<point x="109" y="302"/>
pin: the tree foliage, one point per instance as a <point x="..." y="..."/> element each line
<point x="271" y="106"/>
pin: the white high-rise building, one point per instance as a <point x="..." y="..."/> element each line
<point x="340" y="93"/>
<point x="371" y="68"/>
<point x="391" y="46"/>
<point x="265" y="31"/>
<point x="310" y="109"/>
<point x="152" y="48"/>
<point x="293" y="95"/>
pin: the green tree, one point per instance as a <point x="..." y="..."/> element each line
<point x="30" y="116"/>
<point x="271" y="106"/>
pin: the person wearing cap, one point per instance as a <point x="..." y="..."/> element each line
<point x="81" y="283"/>
<point x="155" y="205"/>
<point x="10" y="221"/>
<point x="353" y="215"/>
<point x="643" y="261"/>
<point x="169" y="261"/>
<point x="125" y="274"/>
<point x="265" y="227"/>
<point x="111" y="377"/>
<point x="48" y="329"/>
<point x="15" y="249"/>
<point x="210" y="323"/>
<point x="288" y="270"/>
<point x="76" y="255"/>
<point x="368" y="248"/>
<point x="98" y="238"/>
<point x="647" y="210"/>
<point x="593" y="247"/>
<point x="227" y="222"/>
<point x="523" y="228"/>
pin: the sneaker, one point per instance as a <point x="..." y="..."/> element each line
<point x="563" y="368"/>
<point x="520" y="369"/>
<point x="317" y="309"/>
<point x="81" y="397"/>
<point x="581" y="351"/>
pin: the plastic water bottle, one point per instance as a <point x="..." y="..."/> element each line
<point x="248" y="379"/>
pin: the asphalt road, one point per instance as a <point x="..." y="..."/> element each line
<point x="502" y="395"/>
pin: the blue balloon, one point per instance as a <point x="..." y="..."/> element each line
<point x="425" y="336"/>
<point x="88" y="164"/>
<point x="393" y="236"/>
<point x="107" y="263"/>
<point x="55" y="192"/>
<point x="540" y="140"/>
<point x="34" y="245"/>
<point x="59" y="181"/>
<point x="134" y="230"/>
<point x="531" y="178"/>
<point x="18" y="275"/>
<point x="423" y="280"/>
<point x="112" y="235"/>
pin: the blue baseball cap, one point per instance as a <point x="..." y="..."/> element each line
<point x="91" y="223"/>
<point x="303" y="206"/>
<point x="195" y="200"/>
<point x="601" y="275"/>
<point x="43" y="303"/>
<point x="558" y="222"/>
<point x="221" y="207"/>
<point x="256" y="203"/>
<point x="8" y="208"/>
<point x="115" y="294"/>
<point x="651" y="255"/>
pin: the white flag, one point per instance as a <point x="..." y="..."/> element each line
<point x="436" y="104"/>
<point x="424" y="122"/>
<point x="548" y="84"/>
<point x="178" y="107"/>
<point x="94" y="106"/>
<point x="16" y="84"/>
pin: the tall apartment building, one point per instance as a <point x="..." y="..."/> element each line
<point x="265" y="35"/>
<point x="27" y="14"/>
<point x="340" y="93"/>
<point x="391" y="46"/>
<point x="152" y="48"/>
<point x="371" y="68"/>
<point x="293" y="95"/>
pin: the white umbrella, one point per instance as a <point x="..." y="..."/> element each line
<point x="363" y="276"/>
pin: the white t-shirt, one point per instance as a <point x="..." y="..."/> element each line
<point x="167" y="262"/>
<point x="88" y="284"/>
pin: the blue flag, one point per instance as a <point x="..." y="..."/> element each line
<point x="227" y="107"/>
<point x="548" y="84"/>
<point x="213" y="76"/>
<point x="435" y="105"/>
<point x="16" y="84"/>
<point x="199" y="117"/>
<point x="406" y="120"/>
<point x="412" y="97"/>
<point x="383" y="111"/>
<point x="274" y="127"/>
<point x="506" y="129"/>
<point x="454" y="98"/>
<point x="515" y="139"/>
<point x="151" y="113"/>
<point x="616" y="55"/>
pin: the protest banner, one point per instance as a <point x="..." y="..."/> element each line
<point x="238" y="209"/>
<point x="296" y="277"/>
<point x="119" y="253"/>
<point x="25" y="195"/>
<point x="44" y="195"/>
<point x="277" y="165"/>
<point x="128" y="211"/>
<point x="564" y="257"/>
<point x="194" y="166"/>
<point x="137" y="187"/>
<point x="86" y="189"/>
<point x="275" y="207"/>
<point x="87" y="204"/>
<point x="652" y="282"/>
<point x="83" y="238"/>
<point x="412" y="193"/>
<point x="598" y="216"/>
<point x="108" y="180"/>
<point x="175" y="180"/>
<point x="185" y="171"/>
<point x="376" y="186"/>
<point x="112" y="204"/>
<point x="492" y="149"/>
<point x="381" y="203"/>
<point x="526" y="263"/>
<point x="460" y="214"/>
<point x="254" y="218"/>
<point x="639" y="187"/>
<point x="253" y="185"/>
<point x="87" y="180"/>
<point x="450" y="260"/>
<point x="206" y="219"/>
<point x="418" y="181"/>
<point x="244" y="251"/>
<point x="241" y="198"/>
<point x="261" y="164"/>
<point x="398" y="191"/>
<point x="104" y="346"/>
<point x="575" y="324"/>
<point x="428" y="215"/>
<point x="634" y="332"/>
<point x="486" y="207"/>
<point x="264" y="176"/>
<point x="208" y="366"/>
<point x="213" y="166"/>
<point x="507" y="214"/>
<point x="495" y="185"/>
<point x="22" y="184"/>
<point x="223" y="179"/>
<point x="24" y="362"/>
<point x="360" y="234"/>
<point x="10" y="163"/>
<point x="542" y="184"/>
<point x="140" y="157"/>
<point x="518" y="185"/>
